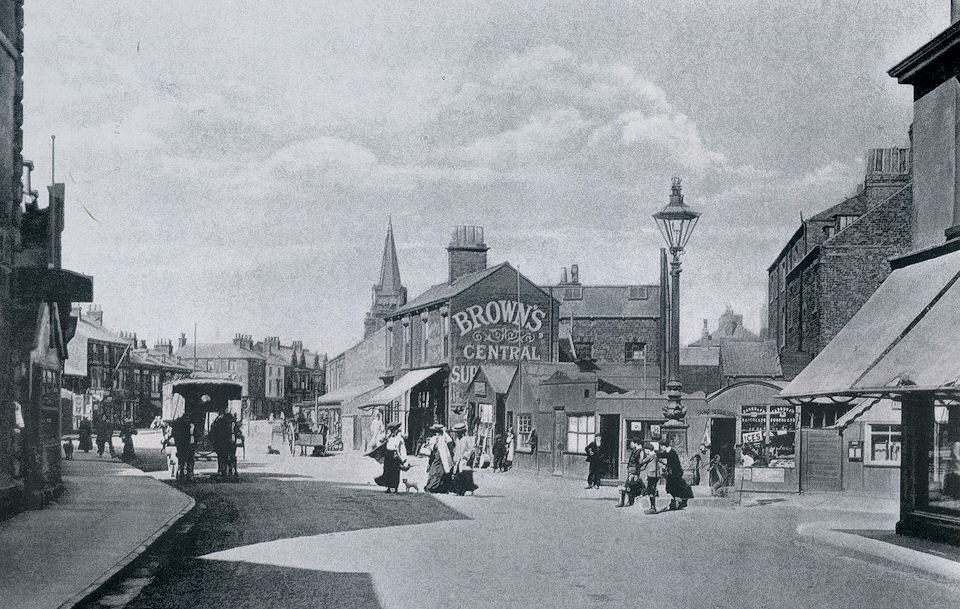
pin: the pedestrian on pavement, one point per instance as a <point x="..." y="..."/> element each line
<point x="104" y="430"/>
<point x="439" y="450"/>
<point x="649" y="467"/>
<point x="633" y="487"/>
<point x="127" y="431"/>
<point x="511" y="447"/>
<point x="595" y="462"/>
<point x="86" y="432"/>
<point x="499" y="453"/>
<point x="376" y="432"/>
<point x="464" y="451"/>
<point x="678" y="489"/>
<point x="394" y="458"/>
<point x="181" y="430"/>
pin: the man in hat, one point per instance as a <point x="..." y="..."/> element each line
<point x="633" y="486"/>
<point x="464" y="450"/>
<point x="595" y="461"/>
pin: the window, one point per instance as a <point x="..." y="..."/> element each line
<point x="480" y="389"/>
<point x="425" y="334"/>
<point x="586" y="393"/>
<point x="635" y="352"/>
<point x="584" y="349"/>
<point x="524" y="427"/>
<point x="845" y="221"/>
<point x="884" y="444"/>
<point x="445" y="322"/>
<point x="389" y="350"/>
<point x="407" y="344"/>
<point x="580" y="432"/>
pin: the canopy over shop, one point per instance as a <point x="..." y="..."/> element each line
<point x="401" y="402"/>
<point x="354" y="421"/>
<point x="904" y="344"/>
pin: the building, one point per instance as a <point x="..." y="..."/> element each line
<point x="609" y="324"/>
<point x="902" y="345"/>
<point x="835" y="260"/>
<point x="436" y="342"/>
<point x="237" y="359"/>
<point x="304" y="375"/>
<point x="388" y="293"/>
<point x="275" y="366"/>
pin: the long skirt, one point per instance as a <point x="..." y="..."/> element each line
<point x="391" y="472"/>
<point x="463" y="482"/>
<point x="86" y="444"/>
<point x="678" y="487"/>
<point x="438" y="481"/>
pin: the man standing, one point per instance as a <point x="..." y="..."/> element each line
<point x="595" y="460"/>
<point x="104" y="431"/>
<point x="463" y="454"/>
<point x="634" y="484"/>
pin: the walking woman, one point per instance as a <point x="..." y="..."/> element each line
<point x="394" y="456"/>
<point x="440" y="465"/>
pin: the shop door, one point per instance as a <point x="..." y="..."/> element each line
<point x="610" y="445"/>
<point x="723" y="437"/>
<point x="820" y="454"/>
<point x="500" y="429"/>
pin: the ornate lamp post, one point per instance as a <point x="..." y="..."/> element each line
<point x="676" y="222"/>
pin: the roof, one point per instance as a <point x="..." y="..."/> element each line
<point x="76" y="362"/>
<point x="750" y="359"/>
<point x="607" y="301"/>
<point x="499" y="376"/>
<point x="142" y="358"/>
<point x="932" y="64"/>
<point x="699" y="356"/>
<point x="905" y="339"/>
<point x="446" y="291"/>
<point x="217" y="350"/>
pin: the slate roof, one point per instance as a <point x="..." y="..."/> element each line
<point x="751" y="359"/>
<point x="446" y="291"/>
<point x="606" y="301"/>
<point x="217" y="350"/>
<point x="699" y="356"/>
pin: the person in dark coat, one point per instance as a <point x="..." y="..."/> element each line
<point x="633" y="487"/>
<point x="104" y="430"/>
<point x="595" y="461"/>
<point x="221" y="438"/>
<point x="181" y="432"/>
<point x="677" y="487"/>
<point x="394" y="454"/>
<point x="499" y="454"/>
<point x="86" y="433"/>
<point x="127" y="431"/>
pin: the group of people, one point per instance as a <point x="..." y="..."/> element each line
<point x="646" y="465"/>
<point x="450" y="465"/>
<point x="184" y="434"/>
<point x="103" y="429"/>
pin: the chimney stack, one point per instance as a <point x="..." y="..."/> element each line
<point x="467" y="253"/>
<point x="563" y="275"/>
<point x="705" y="333"/>
<point x="95" y="314"/>
<point x="574" y="273"/>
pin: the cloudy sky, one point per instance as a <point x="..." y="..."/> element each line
<point x="239" y="160"/>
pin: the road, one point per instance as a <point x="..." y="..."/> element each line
<point x="311" y="533"/>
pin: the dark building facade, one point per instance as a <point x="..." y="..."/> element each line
<point x="835" y="260"/>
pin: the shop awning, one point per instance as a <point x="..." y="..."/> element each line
<point x="348" y="392"/>
<point x="905" y="339"/>
<point x="400" y="386"/>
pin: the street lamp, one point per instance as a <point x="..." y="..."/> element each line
<point x="676" y="222"/>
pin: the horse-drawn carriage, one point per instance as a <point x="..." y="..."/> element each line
<point x="190" y="407"/>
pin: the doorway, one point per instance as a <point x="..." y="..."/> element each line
<point x="723" y="438"/>
<point x="610" y="445"/>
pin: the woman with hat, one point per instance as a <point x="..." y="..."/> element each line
<point x="463" y="453"/>
<point x="394" y="455"/>
<point x="440" y="464"/>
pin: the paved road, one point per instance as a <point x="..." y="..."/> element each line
<point x="309" y="532"/>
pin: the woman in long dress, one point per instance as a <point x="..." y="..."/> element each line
<point x="394" y="455"/>
<point x="511" y="447"/>
<point x="440" y="465"/>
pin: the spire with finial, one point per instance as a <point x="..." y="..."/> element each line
<point x="389" y="293"/>
<point x="389" y="267"/>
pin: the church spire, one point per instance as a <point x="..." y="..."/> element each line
<point x="390" y="268"/>
<point x="388" y="294"/>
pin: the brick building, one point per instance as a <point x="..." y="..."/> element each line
<point x="612" y="324"/>
<point x="294" y="374"/>
<point x="835" y="260"/>
<point x="237" y="359"/>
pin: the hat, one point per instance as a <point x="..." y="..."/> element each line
<point x="460" y="427"/>
<point x="395" y="425"/>
<point x="436" y="427"/>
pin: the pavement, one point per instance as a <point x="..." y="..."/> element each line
<point x="108" y="515"/>
<point x="313" y="532"/>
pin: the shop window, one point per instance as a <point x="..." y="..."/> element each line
<point x="580" y="432"/>
<point x="884" y="444"/>
<point x="635" y="352"/>
<point x="584" y="349"/>
<point x="524" y="427"/>
<point x="768" y="434"/>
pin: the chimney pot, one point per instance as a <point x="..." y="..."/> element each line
<point x="574" y="273"/>
<point x="563" y="275"/>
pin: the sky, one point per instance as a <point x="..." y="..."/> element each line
<point x="233" y="164"/>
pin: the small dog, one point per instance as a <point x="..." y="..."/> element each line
<point x="272" y="451"/>
<point x="410" y="485"/>
<point x="68" y="450"/>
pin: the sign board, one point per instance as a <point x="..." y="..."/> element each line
<point x="636" y="426"/>
<point x="752" y="437"/>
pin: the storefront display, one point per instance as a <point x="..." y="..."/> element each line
<point x="768" y="434"/>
